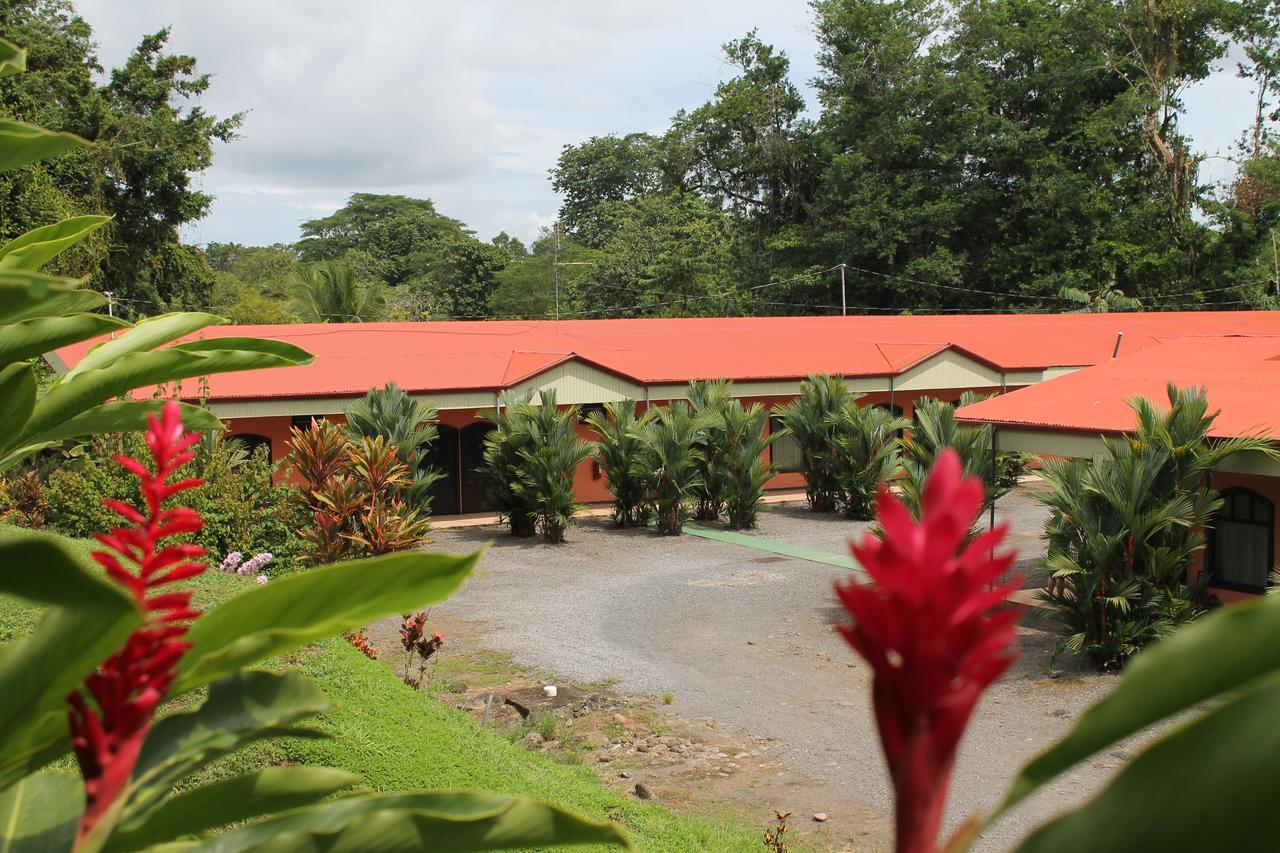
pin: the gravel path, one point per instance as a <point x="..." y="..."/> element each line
<point x="745" y="637"/>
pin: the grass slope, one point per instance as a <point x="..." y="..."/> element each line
<point x="396" y="738"/>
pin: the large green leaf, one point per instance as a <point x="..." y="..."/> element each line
<point x="128" y="416"/>
<point x="10" y="458"/>
<point x="13" y="59"/>
<point x="68" y="398"/>
<point x="1221" y="652"/>
<point x="271" y="790"/>
<point x="242" y="708"/>
<point x="17" y="399"/>
<point x="87" y="620"/>
<point x="1210" y="785"/>
<point x="390" y="823"/>
<point x="38" y="336"/>
<point x="25" y="295"/>
<point x="22" y="143"/>
<point x="146" y="335"/>
<point x="298" y="609"/>
<point x="41" y="813"/>
<point x="34" y="248"/>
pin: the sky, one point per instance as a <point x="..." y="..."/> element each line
<point x="465" y="102"/>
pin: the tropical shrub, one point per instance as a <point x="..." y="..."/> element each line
<point x="23" y="500"/>
<point x="419" y="646"/>
<point x="742" y="468"/>
<point x="354" y="494"/>
<point x="409" y="425"/>
<point x="710" y="400"/>
<point x="621" y="454"/>
<point x="244" y="508"/>
<point x="810" y="421"/>
<point x="503" y="462"/>
<point x="531" y="457"/>
<point x="934" y="427"/>
<point x="1125" y="526"/>
<point x="865" y="445"/>
<point x="671" y="439"/>
<point x="934" y="633"/>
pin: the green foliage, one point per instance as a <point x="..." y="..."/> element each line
<point x="743" y="470"/>
<point x="243" y="508"/>
<point x="712" y="400"/>
<point x="1123" y="529"/>
<point x="328" y="292"/>
<point x="532" y="457"/>
<point x="866" y="455"/>
<point x="408" y="424"/>
<point x="623" y="460"/>
<point x="671" y="439"/>
<point x="811" y="420"/>
<point x="933" y="428"/>
<point x="437" y="267"/>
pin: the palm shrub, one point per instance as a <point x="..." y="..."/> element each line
<point x="808" y="418"/>
<point x="531" y="457"/>
<point x="137" y="641"/>
<point x="933" y="428"/>
<point x="503" y="461"/>
<point x="328" y="292"/>
<point x="866" y="455"/>
<point x="1124" y="527"/>
<point x="710" y="400"/>
<point x="621" y="455"/>
<point x="409" y="425"/>
<point x="548" y="465"/>
<point x="671" y="439"/>
<point x="742" y="468"/>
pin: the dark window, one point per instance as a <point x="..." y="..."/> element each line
<point x="588" y="410"/>
<point x="303" y="422"/>
<point x="784" y="452"/>
<point x="251" y="442"/>
<point x="1242" y="542"/>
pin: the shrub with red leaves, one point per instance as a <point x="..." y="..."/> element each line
<point x="932" y="627"/>
<point x="111" y="716"/>
<point x="414" y="639"/>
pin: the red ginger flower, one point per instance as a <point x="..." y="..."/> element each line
<point x="931" y="627"/>
<point x="130" y="684"/>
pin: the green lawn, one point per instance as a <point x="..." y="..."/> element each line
<point x="399" y="739"/>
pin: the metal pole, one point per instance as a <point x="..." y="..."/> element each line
<point x="557" y="266"/>
<point x="111" y="303"/>
<point x="844" y="305"/>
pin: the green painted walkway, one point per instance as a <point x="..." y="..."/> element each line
<point x="784" y="549"/>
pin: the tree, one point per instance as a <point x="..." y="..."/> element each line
<point x="407" y="424"/>
<point x="671" y="439"/>
<point x="598" y="172"/>
<point x="327" y="292"/>
<point x="147" y="147"/>
<point x="866" y="456"/>
<point x="811" y="419"/>
<point x="623" y="460"/>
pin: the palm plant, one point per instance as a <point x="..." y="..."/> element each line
<point x="710" y="400"/>
<point x="671" y="442"/>
<point x="935" y="427"/>
<point x="621" y="455"/>
<point x="409" y="425"/>
<point x="327" y="292"/>
<point x="503" y="461"/>
<point x="549" y="464"/>
<point x="808" y="419"/>
<point x="743" y="470"/>
<point x="867" y="454"/>
<point x="1124" y="527"/>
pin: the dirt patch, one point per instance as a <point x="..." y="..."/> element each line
<point x="636" y="744"/>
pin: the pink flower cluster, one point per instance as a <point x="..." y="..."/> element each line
<point x="232" y="563"/>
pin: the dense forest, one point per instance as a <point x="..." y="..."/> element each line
<point x="963" y="156"/>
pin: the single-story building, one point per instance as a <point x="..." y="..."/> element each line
<point x="1070" y="416"/>
<point x="461" y="367"/>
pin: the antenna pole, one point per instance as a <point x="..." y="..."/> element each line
<point x="844" y="305"/>
<point x="557" y="268"/>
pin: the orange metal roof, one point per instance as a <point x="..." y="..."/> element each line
<point x="1241" y="376"/>
<point x="487" y="355"/>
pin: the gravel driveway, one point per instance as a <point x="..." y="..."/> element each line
<point x="745" y="637"/>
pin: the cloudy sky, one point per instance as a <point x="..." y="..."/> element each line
<point x="466" y="102"/>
